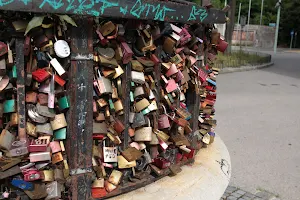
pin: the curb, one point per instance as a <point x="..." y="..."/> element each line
<point x="245" y="68"/>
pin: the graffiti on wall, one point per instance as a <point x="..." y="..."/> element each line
<point x="138" y="9"/>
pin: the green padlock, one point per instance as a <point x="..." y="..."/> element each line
<point x="171" y="98"/>
<point x="60" y="134"/>
<point x="111" y="105"/>
<point x="9" y="106"/>
<point x="146" y="111"/>
<point x="131" y="97"/>
<point x="13" y="73"/>
<point x="64" y="103"/>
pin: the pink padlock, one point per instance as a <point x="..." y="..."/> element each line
<point x="179" y="76"/>
<point x="163" y="122"/>
<point x="173" y="70"/>
<point x="55" y="146"/>
<point x="127" y="53"/>
<point x="185" y="37"/>
<point x="171" y="86"/>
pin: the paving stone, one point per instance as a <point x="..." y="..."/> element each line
<point x="238" y="195"/>
<point x="231" y="198"/>
<point x="264" y="195"/>
<point x="245" y="198"/>
<point x="241" y="192"/>
<point x="249" y="195"/>
<point x="274" y="198"/>
<point x="231" y="188"/>
<point x="257" y="198"/>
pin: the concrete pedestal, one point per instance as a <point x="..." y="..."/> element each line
<point x="206" y="179"/>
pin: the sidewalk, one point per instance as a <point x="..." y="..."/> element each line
<point x="234" y="193"/>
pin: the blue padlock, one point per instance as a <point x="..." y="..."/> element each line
<point x="22" y="184"/>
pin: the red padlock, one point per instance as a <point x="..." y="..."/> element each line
<point x="103" y="40"/>
<point x="40" y="75"/>
<point x="185" y="37"/>
<point x="161" y="163"/>
<point x="3" y="48"/>
<point x="222" y="46"/>
<point x="119" y="126"/>
<point x="31" y="174"/>
<point x="38" y="145"/>
<point x="59" y="80"/>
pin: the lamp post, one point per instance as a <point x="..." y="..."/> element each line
<point x="249" y="12"/>
<point x="278" y="6"/>
<point x="261" y="11"/>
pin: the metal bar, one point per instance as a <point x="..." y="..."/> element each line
<point x="126" y="81"/>
<point x="261" y="11"/>
<point x="134" y="9"/>
<point x="20" y="88"/>
<point x="80" y="115"/>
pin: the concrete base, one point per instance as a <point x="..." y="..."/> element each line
<point x="206" y="179"/>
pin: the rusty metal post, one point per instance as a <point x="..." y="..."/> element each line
<point x="19" y="45"/>
<point x="80" y="115"/>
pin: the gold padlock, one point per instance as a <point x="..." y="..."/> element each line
<point x="123" y="163"/>
<point x="141" y="105"/>
<point x="58" y="122"/>
<point x="14" y="119"/>
<point x="57" y="157"/>
<point x="48" y="175"/>
<point x="115" y="177"/>
<point x="59" y="175"/>
<point x="98" y="183"/>
<point x="31" y="129"/>
<point x="118" y="105"/>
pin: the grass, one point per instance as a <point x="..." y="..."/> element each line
<point x="238" y="59"/>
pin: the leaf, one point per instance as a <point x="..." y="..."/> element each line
<point x="34" y="22"/>
<point x="67" y="19"/>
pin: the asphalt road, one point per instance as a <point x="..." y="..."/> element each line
<point x="258" y="115"/>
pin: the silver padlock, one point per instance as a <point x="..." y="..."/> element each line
<point x="61" y="48"/>
<point x="138" y="77"/>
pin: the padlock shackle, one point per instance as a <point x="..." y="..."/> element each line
<point x="165" y="112"/>
<point x="49" y="55"/>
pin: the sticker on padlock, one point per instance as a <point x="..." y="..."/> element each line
<point x="110" y="154"/>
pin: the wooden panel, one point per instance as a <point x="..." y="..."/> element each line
<point x="136" y="9"/>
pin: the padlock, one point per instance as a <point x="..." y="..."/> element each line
<point x="59" y="80"/>
<point x="7" y="163"/>
<point x="142" y="104"/>
<point x="55" y="146"/>
<point x="105" y="86"/>
<point x="169" y="45"/>
<point x="123" y="163"/>
<point x="3" y="48"/>
<point x="110" y="154"/>
<point x="118" y="126"/>
<point x="2" y="67"/>
<point x="31" y="129"/>
<point x="58" y="122"/>
<point x="48" y="175"/>
<point x="154" y="139"/>
<point x="136" y="66"/>
<point x="37" y="145"/>
<point x="38" y="192"/>
<point x="115" y="177"/>
<point x="107" y="53"/>
<point x="59" y="176"/>
<point x="45" y="111"/>
<point x="138" y="77"/>
<point x="107" y="28"/>
<point x="31" y="97"/>
<point x="183" y="113"/>
<point x="98" y="183"/>
<point x="138" y="91"/>
<point x="180" y="140"/>
<point x="185" y="37"/>
<point x="40" y="156"/>
<point x="54" y="190"/>
<point x="143" y="134"/>
<point x="6" y="138"/>
<point x="44" y="129"/>
<point x="138" y="120"/>
<point x="24" y="185"/>
<point x="162" y="135"/>
<point x="61" y="48"/>
<point x="99" y="128"/>
<point x="19" y="148"/>
<point x="9" y="106"/>
<point x="161" y="163"/>
<point x="14" y="119"/>
<point x="118" y="106"/>
<point x="42" y="99"/>
<point x="126" y="52"/>
<point x="56" y="65"/>
<point x="64" y="103"/>
<point x="57" y="157"/>
<point x="40" y="75"/>
<point x="131" y="154"/>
